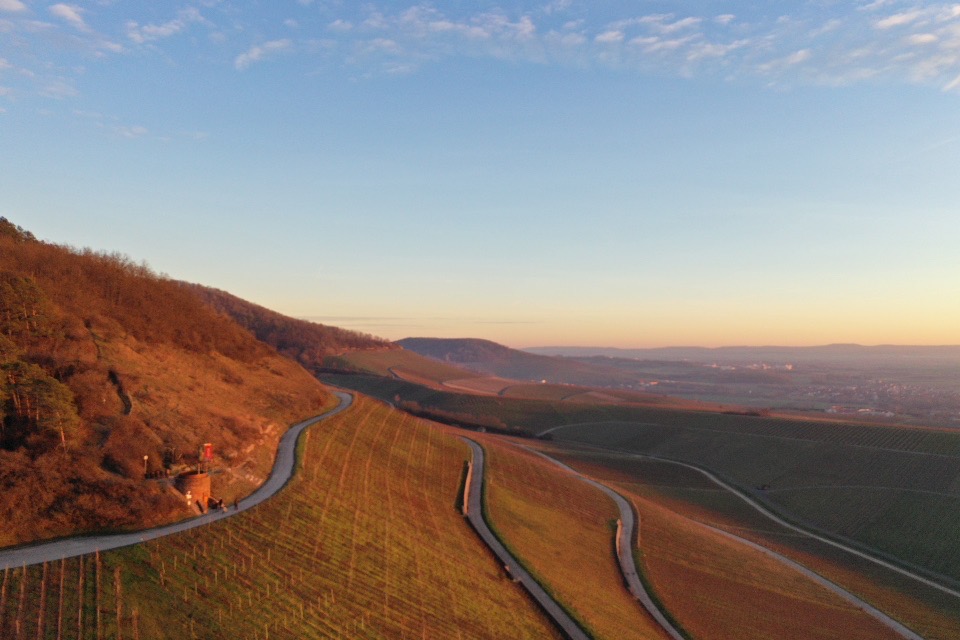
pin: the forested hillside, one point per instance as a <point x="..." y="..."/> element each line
<point x="306" y="342"/>
<point x="104" y="363"/>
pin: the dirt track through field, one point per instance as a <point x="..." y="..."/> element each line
<point x="283" y="468"/>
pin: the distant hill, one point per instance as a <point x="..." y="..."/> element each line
<point x="851" y="354"/>
<point x="308" y="343"/>
<point x="495" y="359"/>
<point x="105" y="363"/>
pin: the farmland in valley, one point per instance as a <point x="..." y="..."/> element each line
<point x="385" y="363"/>
<point x="668" y="493"/>
<point x="896" y="496"/>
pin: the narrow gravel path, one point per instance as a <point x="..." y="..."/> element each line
<point x="475" y="516"/>
<point x="81" y="545"/>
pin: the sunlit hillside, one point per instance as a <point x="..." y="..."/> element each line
<point x="111" y="374"/>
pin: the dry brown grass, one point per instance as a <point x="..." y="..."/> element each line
<point x="562" y="529"/>
<point x="188" y="399"/>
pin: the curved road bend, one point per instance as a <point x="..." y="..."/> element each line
<point x="772" y="516"/>
<point x="624" y="547"/>
<point x="81" y="545"/>
<point x="475" y="515"/>
<point x="869" y="609"/>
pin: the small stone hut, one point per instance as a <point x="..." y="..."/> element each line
<point x="198" y="484"/>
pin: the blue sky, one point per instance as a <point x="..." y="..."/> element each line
<point x="612" y="173"/>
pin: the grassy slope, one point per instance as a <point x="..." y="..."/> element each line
<point x="661" y="488"/>
<point x="365" y="542"/>
<point x="562" y="530"/>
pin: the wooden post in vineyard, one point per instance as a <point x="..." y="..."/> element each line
<point x="80" y="600"/>
<point x="96" y="577"/>
<point x="3" y="599"/>
<point x="63" y="577"/>
<point x="118" y="598"/>
<point x="18" y="623"/>
<point x="42" y="614"/>
<point x="136" y="624"/>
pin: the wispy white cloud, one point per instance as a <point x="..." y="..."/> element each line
<point x="911" y="41"/>
<point x="71" y="14"/>
<point x="59" y="89"/>
<point x="953" y="84"/>
<point x="12" y="6"/>
<point x="258" y="52"/>
<point x="897" y="20"/>
<point x="150" y="32"/>
<point x="922" y="38"/>
<point x="340" y="25"/>
<point x="131" y="132"/>
<point x="609" y="37"/>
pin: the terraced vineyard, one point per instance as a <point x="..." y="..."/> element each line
<point x="669" y="495"/>
<point x="364" y="542"/>
<point x="562" y="530"/>
<point x="893" y="489"/>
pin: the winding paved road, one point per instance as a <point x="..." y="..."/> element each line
<point x="624" y="547"/>
<point x="869" y="609"/>
<point x="772" y="516"/>
<point x="475" y="516"/>
<point x="80" y="545"/>
<point x="879" y="615"/>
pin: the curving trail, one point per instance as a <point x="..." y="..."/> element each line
<point x="282" y="471"/>
<point x="474" y="514"/>
<point x="624" y="547"/>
